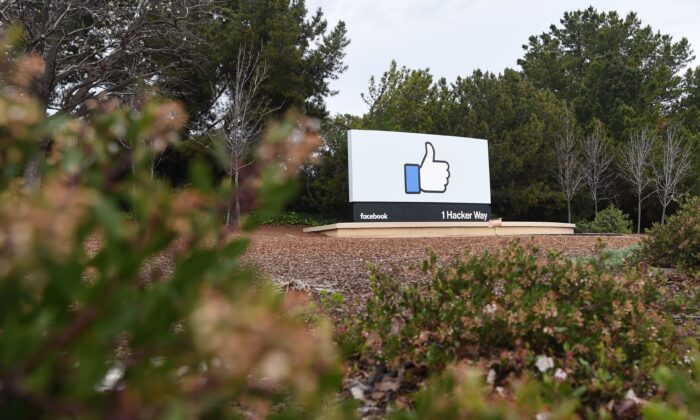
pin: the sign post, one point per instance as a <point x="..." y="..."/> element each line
<point x="406" y="177"/>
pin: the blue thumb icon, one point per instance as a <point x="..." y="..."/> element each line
<point x="411" y="174"/>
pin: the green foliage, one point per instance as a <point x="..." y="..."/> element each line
<point x="682" y="392"/>
<point x="325" y="180"/>
<point x="608" y="67"/>
<point x="461" y="392"/>
<point x="677" y="242"/>
<point x="513" y="310"/>
<point x="330" y="301"/>
<point x="521" y="123"/>
<point x="402" y="100"/>
<point x="614" y="259"/>
<point x="122" y="298"/>
<point x="301" y="52"/>
<point x="610" y="220"/>
<point x="292" y="218"/>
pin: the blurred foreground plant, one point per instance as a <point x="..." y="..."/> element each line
<point x="93" y="324"/>
<point x="681" y="392"/>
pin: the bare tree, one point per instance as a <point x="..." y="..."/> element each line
<point x="635" y="167"/>
<point x="567" y="173"/>
<point x="595" y="166"/>
<point x="242" y="116"/>
<point x="672" y="170"/>
<point x="157" y="157"/>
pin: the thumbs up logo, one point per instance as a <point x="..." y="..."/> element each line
<point x="430" y="176"/>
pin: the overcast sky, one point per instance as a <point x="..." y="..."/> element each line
<point x="455" y="37"/>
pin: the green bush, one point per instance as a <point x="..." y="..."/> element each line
<point x="614" y="258"/>
<point x="292" y="218"/>
<point x="676" y="243"/>
<point x="601" y="332"/>
<point x="681" y="390"/>
<point x="461" y="392"/>
<point x="610" y="220"/>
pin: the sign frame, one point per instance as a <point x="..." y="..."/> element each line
<point x="410" y="177"/>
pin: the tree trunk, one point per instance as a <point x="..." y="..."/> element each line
<point x="595" y="207"/>
<point x="639" y="214"/>
<point x="568" y="209"/>
<point x="238" y="199"/>
<point x="228" y="209"/>
<point x="663" y="215"/>
<point x="31" y="177"/>
<point x="32" y="172"/>
<point x="152" y="167"/>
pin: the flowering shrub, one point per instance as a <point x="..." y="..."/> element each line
<point x="91" y="324"/>
<point x="514" y="312"/>
<point x="681" y="391"/>
<point x="677" y="242"/>
<point x="462" y="392"/>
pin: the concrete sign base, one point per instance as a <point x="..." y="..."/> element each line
<point x="440" y="229"/>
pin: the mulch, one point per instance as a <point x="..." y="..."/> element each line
<point x="315" y="263"/>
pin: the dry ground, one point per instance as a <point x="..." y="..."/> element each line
<point x="314" y="262"/>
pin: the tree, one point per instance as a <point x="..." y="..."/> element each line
<point x="595" y="165"/>
<point x="672" y="170"/>
<point x="402" y="100"/>
<point x="689" y="106"/>
<point x="688" y="115"/>
<point x="302" y="51"/>
<point x="91" y="48"/>
<point x="325" y="180"/>
<point x="244" y="113"/>
<point x="635" y="166"/>
<point x="608" y="67"/>
<point x="519" y="121"/>
<point x="568" y="172"/>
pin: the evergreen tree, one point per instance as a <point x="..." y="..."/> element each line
<point x="325" y="183"/>
<point x="609" y="67"/>
<point x="301" y="52"/>
<point x="402" y="100"/>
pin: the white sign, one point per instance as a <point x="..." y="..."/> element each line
<point x="417" y="168"/>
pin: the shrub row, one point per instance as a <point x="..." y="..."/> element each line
<point x="292" y="218"/>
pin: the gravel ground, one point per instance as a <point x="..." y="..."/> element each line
<point x="313" y="262"/>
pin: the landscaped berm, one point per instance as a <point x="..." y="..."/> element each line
<point x="187" y="232"/>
